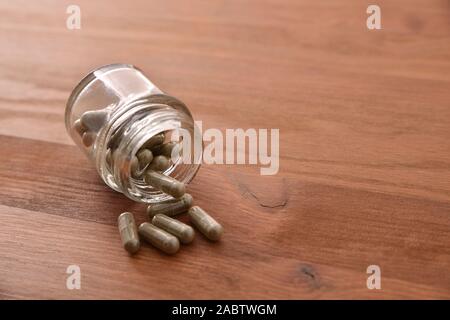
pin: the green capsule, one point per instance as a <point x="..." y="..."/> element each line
<point x="134" y="167"/>
<point x="88" y="138"/>
<point x="94" y="120"/>
<point x="79" y="128"/>
<point x="165" y="183"/>
<point x="205" y="223"/>
<point x="179" y="229"/>
<point x="159" y="238"/>
<point x="171" y="207"/>
<point x="165" y="149"/>
<point x="160" y="163"/>
<point x="145" y="156"/>
<point x="128" y="232"/>
<point x="154" y="141"/>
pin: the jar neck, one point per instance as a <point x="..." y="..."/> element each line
<point x="129" y="128"/>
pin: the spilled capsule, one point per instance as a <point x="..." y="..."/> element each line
<point x="128" y="232"/>
<point x="165" y="183"/>
<point x="159" y="238"/>
<point x="171" y="207"/>
<point x="179" y="229"/>
<point x="205" y="223"/>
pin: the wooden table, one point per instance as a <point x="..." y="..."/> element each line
<point x="364" y="119"/>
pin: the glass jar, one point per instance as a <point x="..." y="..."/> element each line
<point x="113" y="112"/>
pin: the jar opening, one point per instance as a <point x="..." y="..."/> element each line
<point x="129" y="136"/>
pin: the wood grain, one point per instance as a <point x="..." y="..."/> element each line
<point x="364" y="145"/>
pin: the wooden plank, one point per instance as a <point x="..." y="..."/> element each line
<point x="34" y="262"/>
<point x="364" y="156"/>
<point x="292" y="225"/>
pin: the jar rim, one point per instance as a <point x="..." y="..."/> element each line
<point x="159" y="120"/>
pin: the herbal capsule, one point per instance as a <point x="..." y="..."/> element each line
<point x="128" y="232"/>
<point x="164" y="183"/>
<point x="205" y="223"/>
<point x="134" y="167"/>
<point x="145" y="156"/>
<point x="165" y="149"/>
<point x="78" y="126"/>
<point x="159" y="238"/>
<point x="171" y="207"/>
<point x="159" y="163"/>
<point x="154" y="141"/>
<point x="88" y="138"/>
<point x="94" y="120"/>
<point x="179" y="229"/>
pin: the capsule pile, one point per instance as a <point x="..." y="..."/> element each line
<point x="155" y="156"/>
<point x="163" y="231"/>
